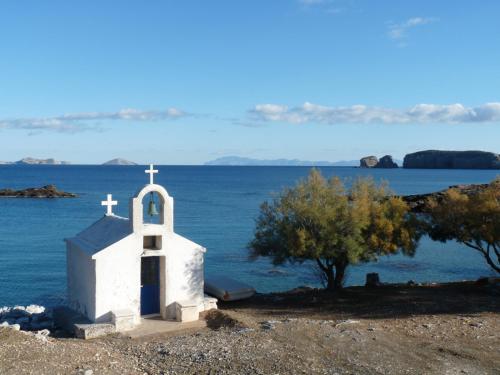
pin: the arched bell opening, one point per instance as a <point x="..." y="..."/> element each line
<point x="149" y="212"/>
<point x="152" y="208"/>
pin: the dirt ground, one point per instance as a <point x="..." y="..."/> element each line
<point x="441" y="329"/>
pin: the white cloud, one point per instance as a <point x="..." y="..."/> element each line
<point x="362" y="114"/>
<point x="73" y="123"/>
<point x="399" y="31"/>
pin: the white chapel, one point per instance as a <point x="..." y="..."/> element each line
<point x="121" y="269"/>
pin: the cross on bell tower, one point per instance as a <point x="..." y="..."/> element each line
<point x="109" y="203"/>
<point x="151" y="171"/>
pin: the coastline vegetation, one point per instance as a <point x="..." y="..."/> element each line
<point x="470" y="219"/>
<point x="333" y="225"/>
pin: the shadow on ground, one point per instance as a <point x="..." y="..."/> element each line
<point x="388" y="301"/>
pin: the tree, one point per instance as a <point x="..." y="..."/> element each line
<point x="471" y="219"/>
<point x="327" y="223"/>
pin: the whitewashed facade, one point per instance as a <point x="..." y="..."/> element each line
<point x="129" y="267"/>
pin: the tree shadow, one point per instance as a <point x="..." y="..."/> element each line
<point x="387" y="301"/>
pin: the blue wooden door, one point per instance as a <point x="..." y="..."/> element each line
<point x="150" y="285"/>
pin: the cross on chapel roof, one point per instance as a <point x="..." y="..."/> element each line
<point x="151" y="173"/>
<point x="109" y="203"/>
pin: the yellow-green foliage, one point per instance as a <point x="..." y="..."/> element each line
<point x="322" y="220"/>
<point x="473" y="220"/>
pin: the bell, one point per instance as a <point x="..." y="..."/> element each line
<point x="152" y="211"/>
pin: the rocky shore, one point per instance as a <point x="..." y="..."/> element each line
<point x="48" y="191"/>
<point x="392" y="329"/>
<point x="418" y="202"/>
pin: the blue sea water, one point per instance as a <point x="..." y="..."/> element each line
<point x="215" y="207"/>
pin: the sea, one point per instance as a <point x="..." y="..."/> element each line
<point x="215" y="206"/>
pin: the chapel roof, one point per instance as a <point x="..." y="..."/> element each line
<point x="102" y="234"/>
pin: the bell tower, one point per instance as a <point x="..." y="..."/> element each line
<point x="165" y="209"/>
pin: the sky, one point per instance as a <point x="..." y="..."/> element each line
<point x="184" y="82"/>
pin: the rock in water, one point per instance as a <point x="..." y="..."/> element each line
<point x="368" y="162"/>
<point x="435" y="159"/>
<point x="386" y="162"/>
<point x="48" y="191"/>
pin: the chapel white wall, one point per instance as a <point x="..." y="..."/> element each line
<point x="81" y="281"/>
<point x="118" y="279"/>
<point x="184" y="276"/>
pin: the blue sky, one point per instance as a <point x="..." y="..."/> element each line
<point x="183" y="82"/>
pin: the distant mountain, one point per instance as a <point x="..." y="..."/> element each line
<point x="119" y="161"/>
<point x="240" y="161"/>
<point x="33" y="161"/>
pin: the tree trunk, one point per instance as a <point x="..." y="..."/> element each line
<point x="340" y="267"/>
<point x="330" y="278"/>
<point x="327" y="269"/>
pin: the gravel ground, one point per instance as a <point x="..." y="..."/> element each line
<point x="392" y="330"/>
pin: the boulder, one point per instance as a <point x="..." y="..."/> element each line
<point x="386" y="162"/>
<point x="372" y="280"/>
<point x="435" y="159"/>
<point x="368" y="162"/>
<point x="35" y="309"/>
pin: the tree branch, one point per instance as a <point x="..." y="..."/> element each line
<point x="497" y="252"/>
<point x="478" y="248"/>
<point x="490" y="261"/>
<point x="321" y="266"/>
<point x="486" y="254"/>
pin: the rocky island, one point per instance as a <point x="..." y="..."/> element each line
<point x="119" y="161"/>
<point x="436" y="159"/>
<point x="34" y="161"/>
<point x="372" y="162"/>
<point x="47" y="191"/>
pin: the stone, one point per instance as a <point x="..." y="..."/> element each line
<point x="43" y="332"/>
<point x="436" y="159"/>
<point x="186" y="311"/>
<point x="18" y="312"/>
<point x="368" y="162"/>
<point x="15" y="327"/>
<point x="46" y="324"/>
<point x="35" y="309"/>
<point x="123" y="320"/>
<point x="268" y="325"/>
<point x="209" y="303"/>
<point x="23" y="322"/>
<point x="386" y="162"/>
<point x="372" y="280"/>
<point x="4" y="311"/>
<point x="92" y="331"/>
